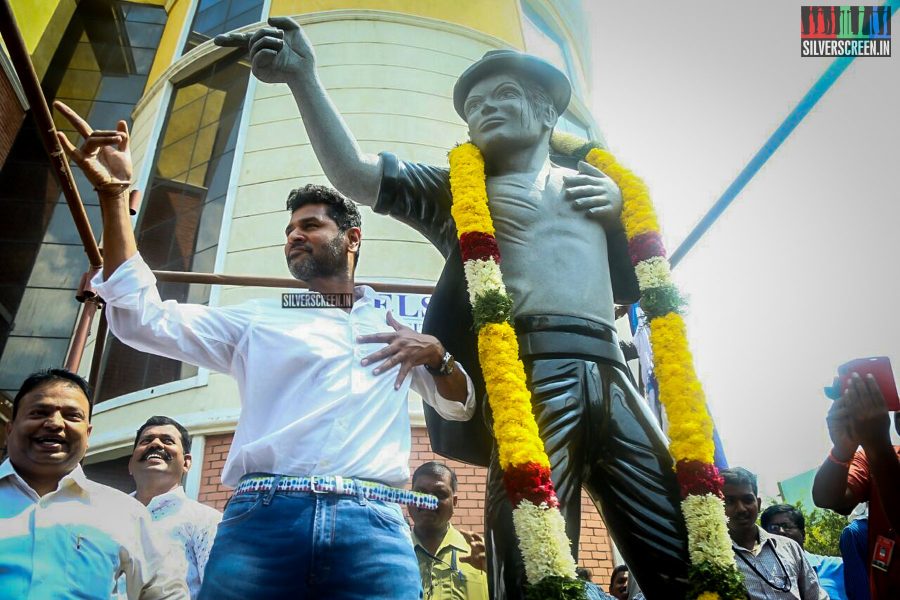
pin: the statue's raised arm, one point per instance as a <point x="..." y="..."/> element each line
<point x="281" y="53"/>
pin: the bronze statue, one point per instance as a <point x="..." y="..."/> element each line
<point x="565" y="262"/>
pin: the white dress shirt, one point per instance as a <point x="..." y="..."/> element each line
<point x="190" y="525"/>
<point x="80" y="537"/>
<point x="308" y="407"/>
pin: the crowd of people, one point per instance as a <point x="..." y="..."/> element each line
<point x="319" y="462"/>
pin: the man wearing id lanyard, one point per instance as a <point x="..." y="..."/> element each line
<point x="860" y="417"/>
<point x="322" y="443"/>
<point x="774" y="567"/>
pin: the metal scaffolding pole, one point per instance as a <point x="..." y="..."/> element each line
<point x="21" y="60"/>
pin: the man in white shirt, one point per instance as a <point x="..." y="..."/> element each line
<point x="60" y="532"/>
<point x="322" y="444"/>
<point x="160" y="460"/>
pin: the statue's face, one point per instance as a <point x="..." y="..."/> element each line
<point x="500" y="118"/>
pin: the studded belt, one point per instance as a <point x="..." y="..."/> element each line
<point x="334" y="484"/>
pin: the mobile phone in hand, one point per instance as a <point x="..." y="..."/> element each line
<point x="877" y="366"/>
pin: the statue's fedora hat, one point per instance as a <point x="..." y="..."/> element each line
<point x="511" y="61"/>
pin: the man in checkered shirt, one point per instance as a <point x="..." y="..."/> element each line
<point x="774" y="566"/>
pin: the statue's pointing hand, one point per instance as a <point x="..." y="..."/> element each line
<point x="279" y="53"/>
<point x="594" y="193"/>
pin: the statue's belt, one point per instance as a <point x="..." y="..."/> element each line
<point x="559" y="335"/>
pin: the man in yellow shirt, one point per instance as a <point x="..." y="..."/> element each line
<point x="451" y="562"/>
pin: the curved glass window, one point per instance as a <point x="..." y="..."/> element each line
<point x="100" y="69"/>
<point x="218" y="16"/>
<point x="541" y="40"/>
<point x="182" y="213"/>
<point x="572" y="124"/>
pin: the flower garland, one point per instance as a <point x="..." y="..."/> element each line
<point x="713" y="574"/>
<point x="545" y="547"/>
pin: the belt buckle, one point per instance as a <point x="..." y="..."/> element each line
<point x="313" y="487"/>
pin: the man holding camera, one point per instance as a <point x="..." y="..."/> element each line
<point x="847" y="477"/>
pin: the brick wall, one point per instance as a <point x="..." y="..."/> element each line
<point x="594" y="549"/>
<point x="212" y="491"/>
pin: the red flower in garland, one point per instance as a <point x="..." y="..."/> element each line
<point x="698" y="478"/>
<point x="476" y="245"/>
<point x="530" y="482"/>
<point x="644" y="246"/>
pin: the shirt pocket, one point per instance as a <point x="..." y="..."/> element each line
<point x="92" y="560"/>
<point x="451" y="583"/>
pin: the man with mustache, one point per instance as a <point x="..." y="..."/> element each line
<point x="451" y="562"/>
<point x="564" y="262"/>
<point x="62" y="532"/>
<point x="322" y="444"/>
<point x="774" y="567"/>
<point x="160" y="460"/>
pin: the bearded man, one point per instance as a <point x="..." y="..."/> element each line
<point x="323" y="439"/>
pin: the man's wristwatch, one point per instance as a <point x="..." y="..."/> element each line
<point x="448" y="363"/>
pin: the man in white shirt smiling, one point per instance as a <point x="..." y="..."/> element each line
<point x="160" y="460"/>
<point x="322" y="443"/>
<point x="60" y="531"/>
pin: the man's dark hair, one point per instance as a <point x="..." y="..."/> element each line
<point x="615" y="573"/>
<point x="778" y="509"/>
<point x="48" y="376"/>
<point x="436" y="469"/>
<point x="340" y="209"/>
<point x="583" y="573"/>
<point x="158" y="420"/>
<point x="738" y="476"/>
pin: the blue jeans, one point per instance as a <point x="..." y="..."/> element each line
<point x="307" y="545"/>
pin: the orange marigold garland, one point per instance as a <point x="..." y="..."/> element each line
<point x="713" y="572"/>
<point x="539" y="526"/>
<point x="545" y="547"/>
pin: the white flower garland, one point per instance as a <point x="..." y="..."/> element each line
<point x="653" y="272"/>
<point x="708" y="538"/>
<point x="483" y="276"/>
<point x="541" y="533"/>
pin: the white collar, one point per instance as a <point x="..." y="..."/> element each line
<point x="174" y="496"/>
<point x="74" y="477"/>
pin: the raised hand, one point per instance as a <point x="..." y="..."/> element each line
<point x="478" y="554"/>
<point x="594" y="193"/>
<point x="839" y="430"/>
<point x="277" y="53"/>
<point x="104" y="157"/>
<point x="404" y="347"/>
<point x="867" y="414"/>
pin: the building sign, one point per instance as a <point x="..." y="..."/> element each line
<point x="409" y="309"/>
